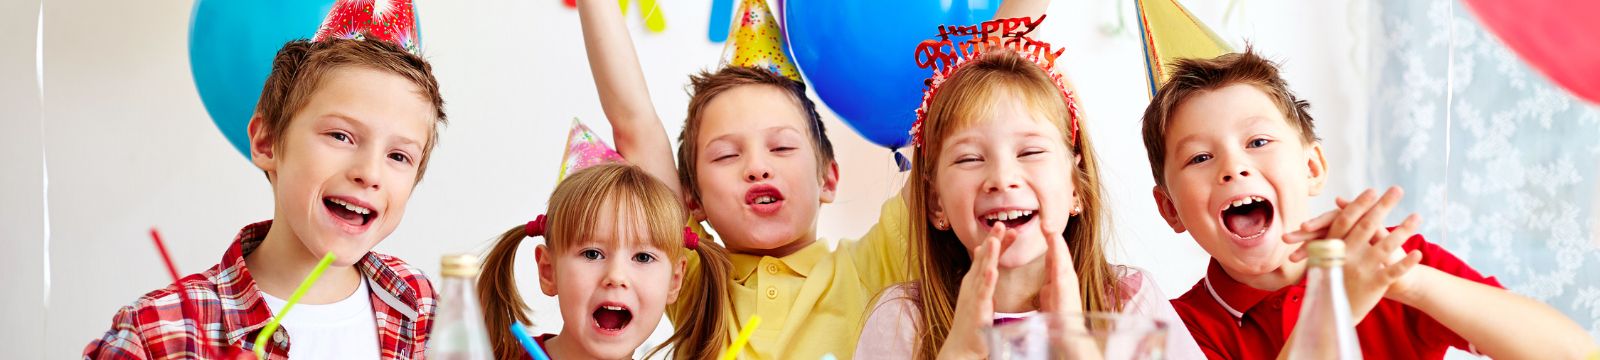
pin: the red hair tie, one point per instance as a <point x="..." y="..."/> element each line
<point x="691" y="240"/>
<point x="535" y="228"/>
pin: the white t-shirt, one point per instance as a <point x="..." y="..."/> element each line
<point x="346" y="329"/>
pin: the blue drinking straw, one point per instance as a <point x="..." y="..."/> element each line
<point x="527" y="342"/>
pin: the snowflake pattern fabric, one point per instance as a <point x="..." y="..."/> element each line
<point x="1503" y="165"/>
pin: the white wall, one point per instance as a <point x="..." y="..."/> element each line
<point x="129" y="145"/>
<point x="22" y="222"/>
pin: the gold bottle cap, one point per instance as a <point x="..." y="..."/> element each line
<point x="459" y="265"/>
<point x="1325" y="252"/>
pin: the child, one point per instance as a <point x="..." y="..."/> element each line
<point x="343" y="131"/>
<point x="614" y="257"/>
<point x="1235" y="160"/>
<point x="1005" y="209"/>
<point x="755" y="161"/>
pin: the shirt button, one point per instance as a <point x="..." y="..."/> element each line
<point x="772" y="293"/>
<point x="772" y="269"/>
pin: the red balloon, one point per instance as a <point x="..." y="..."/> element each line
<point x="1555" y="36"/>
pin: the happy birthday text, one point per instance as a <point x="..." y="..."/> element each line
<point x="989" y="35"/>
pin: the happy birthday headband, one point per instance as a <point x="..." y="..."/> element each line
<point x="945" y="56"/>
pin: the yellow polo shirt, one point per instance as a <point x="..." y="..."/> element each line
<point x="812" y="302"/>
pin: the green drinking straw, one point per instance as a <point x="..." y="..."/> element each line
<point x="272" y="326"/>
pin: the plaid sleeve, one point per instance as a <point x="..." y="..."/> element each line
<point x="123" y="341"/>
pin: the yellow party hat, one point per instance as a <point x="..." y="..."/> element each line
<point x="754" y="40"/>
<point x="1171" y="33"/>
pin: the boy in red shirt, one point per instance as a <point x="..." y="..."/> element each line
<point x="1236" y="159"/>
<point x="343" y="131"/>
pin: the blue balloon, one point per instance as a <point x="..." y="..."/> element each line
<point x="858" y="55"/>
<point x="231" y="47"/>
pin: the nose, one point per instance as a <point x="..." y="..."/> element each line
<point x="756" y="169"/>
<point x="1003" y="175"/>
<point x="366" y="171"/>
<point x="1234" y="171"/>
<point x="615" y="275"/>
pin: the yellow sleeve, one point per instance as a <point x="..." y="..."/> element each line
<point x="882" y="255"/>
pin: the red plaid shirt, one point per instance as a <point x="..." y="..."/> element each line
<point x="224" y="303"/>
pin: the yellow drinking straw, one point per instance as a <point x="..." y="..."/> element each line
<point x="744" y="336"/>
<point x="316" y="272"/>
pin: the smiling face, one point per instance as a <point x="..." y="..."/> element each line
<point x="757" y="171"/>
<point x="613" y="285"/>
<point x="1001" y="169"/>
<point x="348" y="161"/>
<point x="1237" y="174"/>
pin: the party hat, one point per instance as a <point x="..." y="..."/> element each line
<point x="756" y="41"/>
<point x="393" y="21"/>
<point x="584" y="149"/>
<point x="1172" y="33"/>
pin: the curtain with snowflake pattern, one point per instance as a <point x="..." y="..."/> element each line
<point x="1502" y="164"/>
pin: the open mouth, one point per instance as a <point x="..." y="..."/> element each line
<point x="1248" y="217"/>
<point x="349" y="212"/>
<point x="1012" y="218"/>
<point x="612" y="318"/>
<point x="763" y="198"/>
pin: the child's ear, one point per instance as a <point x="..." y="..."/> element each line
<point x="935" y="210"/>
<point x="547" y="270"/>
<point x="677" y="279"/>
<point x="696" y="213"/>
<point x="830" y="183"/>
<point x="1317" y="167"/>
<point x="262" y="144"/>
<point x="1169" y="211"/>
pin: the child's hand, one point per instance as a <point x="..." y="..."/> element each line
<point x="1060" y="297"/>
<point x="1060" y="293"/>
<point x="975" y="304"/>
<point x="1371" y="270"/>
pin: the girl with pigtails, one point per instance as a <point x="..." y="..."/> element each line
<point x="614" y="256"/>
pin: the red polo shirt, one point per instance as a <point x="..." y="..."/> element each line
<point x="1231" y="320"/>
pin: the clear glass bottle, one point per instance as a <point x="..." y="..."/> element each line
<point x="1325" y="329"/>
<point x="458" y="330"/>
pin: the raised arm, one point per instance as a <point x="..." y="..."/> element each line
<point x="1021" y="8"/>
<point x="620" y="83"/>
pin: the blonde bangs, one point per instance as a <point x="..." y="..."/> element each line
<point x="967" y="97"/>
<point x="619" y="192"/>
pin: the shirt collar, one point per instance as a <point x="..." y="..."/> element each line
<point x="1234" y="296"/>
<point x="801" y="262"/>
<point x="245" y="312"/>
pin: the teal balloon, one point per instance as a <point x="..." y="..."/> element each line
<point x="231" y="47"/>
<point x="858" y="56"/>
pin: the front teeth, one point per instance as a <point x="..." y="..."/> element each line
<point x="766" y="199"/>
<point x="612" y="307"/>
<point x="1008" y="215"/>
<point x="352" y="207"/>
<point x="1245" y="201"/>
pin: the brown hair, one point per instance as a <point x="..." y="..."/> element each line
<point x="575" y="208"/>
<point x="705" y="86"/>
<point x="939" y="257"/>
<point x="301" y="65"/>
<point x="1195" y="76"/>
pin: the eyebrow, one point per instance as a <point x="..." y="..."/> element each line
<point x="770" y="130"/>
<point x="346" y="119"/>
